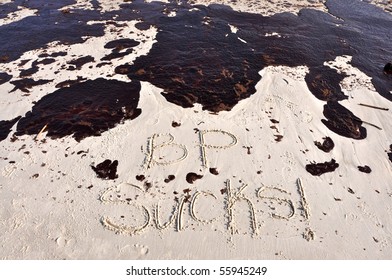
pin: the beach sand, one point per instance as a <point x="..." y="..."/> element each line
<point x="167" y="182"/>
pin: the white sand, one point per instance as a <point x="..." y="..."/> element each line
<point x="68" y="213"/>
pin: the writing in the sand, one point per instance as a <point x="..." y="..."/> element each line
<point x="230" y="210"/>
<point x="157" y="142"/>
<point x="235" y="207"/>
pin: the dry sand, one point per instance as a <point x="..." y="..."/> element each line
<point x="251" y="197"/>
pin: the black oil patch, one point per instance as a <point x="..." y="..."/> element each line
<point x="326" y="146"/>
<point x="342" y="121"/>
<point x="84" y="109"/>
<point x="55" y="54"/>
<point x="4" y="77"/>
<point x="5" y="127"/>
<point x="197" y="59"/>
<point x="365" y="169"/>
<point x="121" y="44"/>
<point x="76" y="64"/>
<point x="69" y="83"/>
<point x="34" y="67"/>
<point x="388" y="68"/>
<point x="26" y="84"/>
<point x="49" y="25"/>
<point x="192" y="177"/>
<point x="106" y="169"/>
<point x="317" y="169"/>
<point x="324" y="83"/>
<point x="120" y="48"/>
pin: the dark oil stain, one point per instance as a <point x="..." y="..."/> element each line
<point x="191" y="177"/>
<point x="82" y="152"/>
<point x="169" y="178"/>
<point x="55" y="54"/>
<point x="388" y="68"/>
<point x="248" y="149"/>
<point x="175" y="124"/>
<point x="147" y="186"/>
<point x="324" y="83"/>
<point x="26" y="84"/>
<point x="46" y="61"/>
<point x="278" y="137"/>
<point x="390" y="153"/>
<point x="83" y="110"/>
<point x="106" y="169"/>
<point x="341" y="121"/>
<point x="99" y="65"/>
<point x="365" y="169"/>
<point x="28" y="72"/>
<point x="120" y="48"/>
<point x="187" y="198"/>
<point x="69" y="83"/>
<point x="195" y="60"/>
<point x="214" y="171"/>
<point x="326" y="146"/>
<point x="34" y="67"/>
<point x="142" y="26"/>
<point x="317" y="169"/>
<point x="4" y="77"/>
<point x="48" y="25"/>
<point x="76" y="64"/>
<point x="23" y="62"/>
<point x="184" y="74"/>
<point x="140" y="178"/>
<point x="5" y="127"/>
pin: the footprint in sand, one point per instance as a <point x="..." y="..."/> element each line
<point x="9" y="170"/>
<point x="289" y="163"/>
<point x="142" y="249"/>
<point x="304" y="116"/>
<point x="136" y="251"/>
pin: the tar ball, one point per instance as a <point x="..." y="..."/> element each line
<point x="388" y="68"/>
